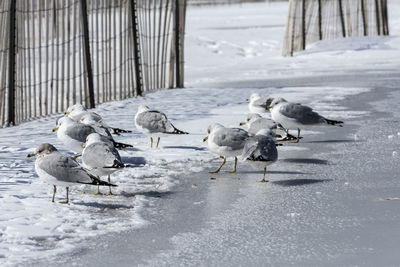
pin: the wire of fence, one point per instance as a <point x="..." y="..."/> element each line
<point x="54" y="53"/>
<point x="313" y="20"/>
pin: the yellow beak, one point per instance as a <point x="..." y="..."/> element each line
<point x="205" y="138"/>
<point x="247" y="99"/>
<point x="84" y="145"/>
<point x="66" y="112"/>
<point x="31" y="155"/>
<point x="79" y="121"/>
<point x="55" y="129"/>
<point x="268" y="108"/>
<point x="242" y="123"/>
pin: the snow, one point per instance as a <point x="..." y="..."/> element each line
<point x="228" y="57"/>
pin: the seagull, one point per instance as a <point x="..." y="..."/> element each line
<point x="76" y="112"/>
<point x="255" y="122"/>
<point x="259" y="104"/>
<point x="296" y="116"/>
<point x="90" y="120"/>
<point x="73" y="134"/>
<point x="101" y="158"/>
<point x="260" y="151"/>
<point x="59" y="169"/>
<point x="154" y="123"/>
<point x="226" y="142"/>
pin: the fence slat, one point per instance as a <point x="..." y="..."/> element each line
<point x="11" y="63"/>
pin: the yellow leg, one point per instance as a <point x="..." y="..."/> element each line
<point x="98" y="191"/>
<point x="109" y="187"/>
<point x="158" y="141"/>
<point x="67" y="200"/>
<point x="217" y="170"/>
<point x="151" y="142"/>
<point x="298" y="136"/>
<point x="54" y="193"/>
<point x="263" y="179"/>
<point x="234" y="168"/>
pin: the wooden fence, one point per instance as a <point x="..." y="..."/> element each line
<point x="313" y="20"/>
<point x="54" y="53"/>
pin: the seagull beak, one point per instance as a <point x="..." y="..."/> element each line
<point x="205" y="138"/>
<point x="247" y="99"/>
<point x="31" y="155"/>
<point x="242" y="123"/>
<point x="268" y="108"/>
<point x="84" y="145"/>
<point x="66" y="112"/>
<point x="55" y="129"/>
<point x="79" y="121"/>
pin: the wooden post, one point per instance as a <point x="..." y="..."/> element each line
<point x="303" y="24"/>
<point x="320" y="19"/>
<point x="364" y="18"/>
<point x="378" y="17"/>
<point x="136" y="48"/>
<point x="86" y="52"/>
<point x="11" y="63"/>
<point x="385" y="17"/>
<point x="342" y="18"/>
<point x="178" y="44"/>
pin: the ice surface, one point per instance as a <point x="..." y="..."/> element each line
<point x="231" y="52"/>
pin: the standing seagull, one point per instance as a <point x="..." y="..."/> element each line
<point x="260" y="151"/>
<point x="226" y="142"/>
<point x="76" y="112"/>
<point x="296" y="116"/>
<point x="101" y="158"/>
<point x="59" y="169"/>
<point x="154" y="123"/>
<point x="259" y="104"/>
<point x="255" y="123"/>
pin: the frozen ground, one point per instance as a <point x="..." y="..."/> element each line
<point x="322" y="207"/>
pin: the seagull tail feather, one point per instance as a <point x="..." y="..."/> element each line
<point x="333" y="122"/>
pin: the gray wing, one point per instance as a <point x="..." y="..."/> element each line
<point x="303" y="114"/>
<point x="261" y="124"/>
<point x="98" y="155"/>
<point x="64" y="168"/>
<point x="249" y="147"/>
<point x="231" y="137"/>
<point x="267" y="148"/>
<point x="264" y="101"/>
<point x="155" y="121"/>
<point x="79" y="131"/>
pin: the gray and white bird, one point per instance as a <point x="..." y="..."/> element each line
<point x="60" y="169"/>
<point x="226" y="142"/>
<point x="259" y="104"/>
<point x="101" y="158"/>
<point x="76" y="112"/>
<point x="255" y="122"/>
<point x="154" y="123"/>
<point x="297" y="116"/>
<point x="260" y="151"/>
<point x="90" y="120"/>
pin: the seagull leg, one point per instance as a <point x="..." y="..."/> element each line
<point x="109" y="187"/>
<point x="98" y="191"/>
<point x="217" y="170"/>
<point x="263" y="179"/>
<point x="298" y="135"/>
<point x="77" y="156"/>
<point x="158" y="141"/>
<point x="67" y="200"/>
<point x="234" y="168"/>
<point x="54" y="193"/>
<point x="151" y="142"/>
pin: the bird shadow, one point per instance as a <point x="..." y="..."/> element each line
<point x="299" y="182"/>
<point x="186" y="147"/>
<point x="306" y="161"/>
<point x="132" y="149"/>
<point x="152" y="194"/>
<point x="100" y="205"/>
<point x="335" y="141"/>
<point x="134" y="160"/>
<point x="276" y="172"/>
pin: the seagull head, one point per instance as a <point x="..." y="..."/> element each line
<point x="211" y="128"/>
<point x="276" y="102"/>
<point x="63" y="121"/>
<point x="42" y="150"/>
<point x="253" y="96"/>
<point x="76" y="107"/>
<point x="88" y="118"/>
<point x="143" y="108"/>
<point x="92" y="138"/>
<point x="251" y="117"/>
